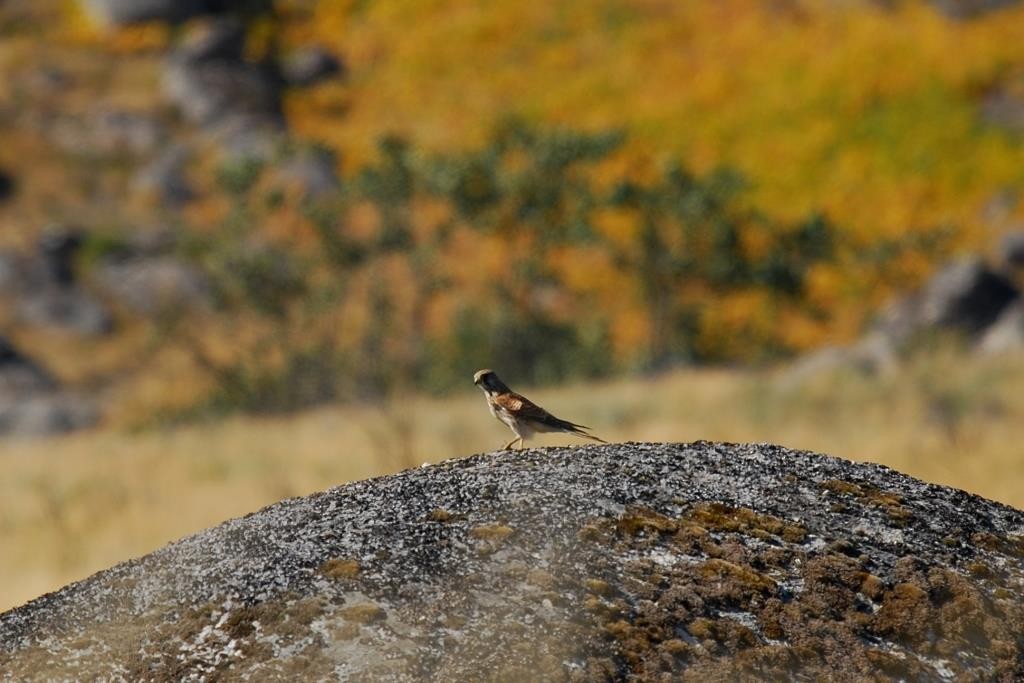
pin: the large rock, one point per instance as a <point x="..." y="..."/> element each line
<point x="163" y="179"/>
<point x="44" y="286"/>
<point x="874" y="354"/>
<point x="68" y="308"/>
<point x="703" y="562"/>
<point x="120" y="12"/>
<point x="309" y="172"/>
<point x="966" y="296"/>
<point x="20" y="376"/>
<point x="1011" y="249"/>
<point x="105" y="131"/>
<point x="214" y="87"/>
<point x="309" y="66"/>
<point x="31" y="401"/>
<point x="153" y="285"/>
<point x="46" y="415"/>
<point x="1003" y="108"/>
<point x="1007" y="333"/>
<point x="968" y="9"/>
<point x="7" y="185"/>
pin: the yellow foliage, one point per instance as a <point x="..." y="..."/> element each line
<point x="851" y="108"/>
<point x="630" y="333"/>
<point x="865" y="112"/>
<point x="618" y="224"/>
<point x="738" y="325"/>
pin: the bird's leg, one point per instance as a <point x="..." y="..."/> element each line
<point x="509" y="444"/>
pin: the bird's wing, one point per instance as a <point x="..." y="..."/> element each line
<point x="523" y="408"/>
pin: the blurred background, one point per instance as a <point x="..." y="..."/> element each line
<point x="250" y="250"/>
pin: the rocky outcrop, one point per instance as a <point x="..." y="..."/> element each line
<point x="19" y="375"/>
<point x="6" y="185"/>
<point x="1011" y="250"/>
<point x="120" y="12"/>
<point x="44" y="288"/>
<point x="1007" y="333"/>
<point x="163" y="179"/>
<point x="310" y="172"/>
<point x="966" y="296"/>
<point x="968" y="9"/>
<point x="309" y="66"/>
<point x="152" y="286"/>
<point x="1003" y="108"/>
<point x="976" y="301"/>
<point x="32" y="402"/>
<point x="105" y="131"/>
<point x="695" y="562"/>
<point x="215" y="88"/>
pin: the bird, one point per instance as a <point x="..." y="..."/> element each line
<point x="524" y="417"/>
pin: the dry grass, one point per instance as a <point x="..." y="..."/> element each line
<point x="72" y="506"/>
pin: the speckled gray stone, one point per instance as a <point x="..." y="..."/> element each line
<point x="700" y="561"/>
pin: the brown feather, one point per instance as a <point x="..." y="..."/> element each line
<point x="523" y="408"/>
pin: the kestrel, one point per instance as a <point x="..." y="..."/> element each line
<point x="524" y="417"/>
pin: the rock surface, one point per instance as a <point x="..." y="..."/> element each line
<point x="968" y="298"/>
<point x="1011" y="249"/>
<point x="208" y="79"/>
<point x="968" y="9"/>
<point x="119" y="12"/>
<point x="32" y="402"/>
<point x="163" y="179"/>
<point x="694" y="561"/>
<point x="965" y="295"/>
<point x="153" y="286"/>
<point x="44" y="286"/>
<point x="1007" y="333"/>
<point x="310" y="65"/>
<point x="20" y="376"/>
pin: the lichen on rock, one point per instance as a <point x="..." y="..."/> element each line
<point x="698" y="561"/>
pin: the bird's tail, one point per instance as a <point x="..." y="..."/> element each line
<point x="553" y="423"/>
<point x="580" y="430"/>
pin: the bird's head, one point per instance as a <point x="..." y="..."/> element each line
<point x="489" y="382"/>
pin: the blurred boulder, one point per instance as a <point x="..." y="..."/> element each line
<point x="10" y="272"/>
<point x="163" y="179"/>
<point x="1011" y="249"/>
<point x="6" y="185"/>
<point x="69" y="308"/>
<point x="47" y="79"/>
<point x="309" y="66"/>
<point x="966" y="296"/>
<point x="968" y="9"/>
<point x="1004" y="109"/>
<point x="19" y="376"/>
<point x="242" y="139"/>
<point x="56" y="251"/>
<point x="208" y="80"/>
<point x="31" y="402"/>
<point x="46" y="415"/>
<point x="106" y="131"/>
<point x="312" y="172"/>
<point x="221" y="39"/>
<point x="1007" y="333"/>
<point x="152" y="285"/>
<point x="212" y="93"/>
<point x="874" y="354"/>
<point x="120" y="12"/>
<point x="44" y="286"/>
